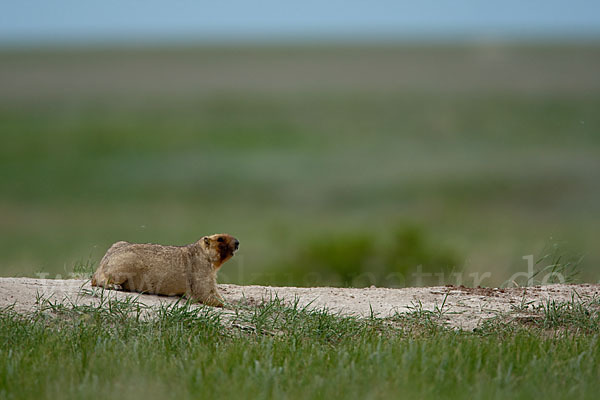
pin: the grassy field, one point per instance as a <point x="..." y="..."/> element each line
<point x="277" y="351"/>
<point x="456" y="158"/>
<point x="332" y="165"/>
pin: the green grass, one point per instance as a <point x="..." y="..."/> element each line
<point x="278" y="351"/>
<point x="332" y="165"/>
<point x="487" y="151"/>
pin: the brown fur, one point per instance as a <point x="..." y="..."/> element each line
<point x="168" y="270"/>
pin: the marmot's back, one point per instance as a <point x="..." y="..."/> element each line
<point x="150" y="268"/>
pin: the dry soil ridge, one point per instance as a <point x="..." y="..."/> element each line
<point x="463" y="308"/>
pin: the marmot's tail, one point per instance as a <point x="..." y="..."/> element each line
<point x="98" y="278"/>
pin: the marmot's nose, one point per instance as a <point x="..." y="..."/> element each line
<point x="237" y="244"/>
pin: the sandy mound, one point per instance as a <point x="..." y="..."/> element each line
<point x="461" y="307"/>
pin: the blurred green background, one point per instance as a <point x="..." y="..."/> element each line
<point x="333" y="164"/>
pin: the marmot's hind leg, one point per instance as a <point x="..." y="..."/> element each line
<point x="108" y="281"/>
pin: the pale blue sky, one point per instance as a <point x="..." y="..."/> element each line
<point x="148" y="20"/>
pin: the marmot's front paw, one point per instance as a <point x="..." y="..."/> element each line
<point x="213" y="301"/>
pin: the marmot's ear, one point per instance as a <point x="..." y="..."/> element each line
<point x="206" y="241"/>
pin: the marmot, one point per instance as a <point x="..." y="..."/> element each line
<point x="168" y="270"/>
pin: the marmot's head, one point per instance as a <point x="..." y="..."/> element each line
<point x="219" y="247"/>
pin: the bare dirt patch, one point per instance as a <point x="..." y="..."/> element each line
<point x="461" y="307"/>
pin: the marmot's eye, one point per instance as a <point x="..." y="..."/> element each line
<point x="220" y="240"/>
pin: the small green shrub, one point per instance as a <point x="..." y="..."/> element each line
<point x="362" y="259"/>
